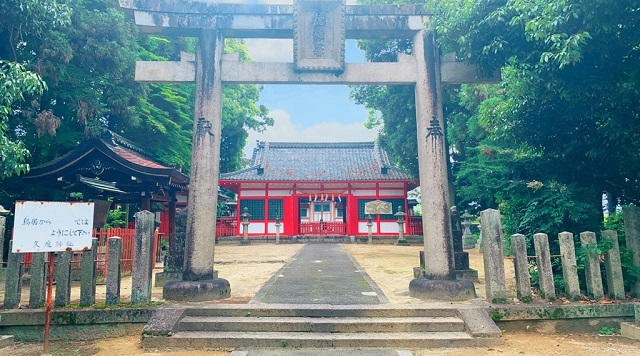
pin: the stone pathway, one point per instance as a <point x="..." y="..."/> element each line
<point x="321" y="274"/>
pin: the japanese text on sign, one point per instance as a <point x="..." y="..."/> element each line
<point x="52" y="226"/>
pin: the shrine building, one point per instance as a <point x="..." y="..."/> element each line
<point x="318" y="189"/>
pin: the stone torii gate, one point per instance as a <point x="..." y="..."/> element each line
<point x="319" y="29"/>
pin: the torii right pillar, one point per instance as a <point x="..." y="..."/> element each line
<point x="439" y="280"/>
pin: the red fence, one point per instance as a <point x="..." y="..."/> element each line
<point x="323" y="228"/>
<point x="414" y="225"/>
<point x="226" y="226"/>
<point x="128" y="238"/>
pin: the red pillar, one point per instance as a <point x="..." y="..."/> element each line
<point x="352" y="215"/>
<point x="290" y="218"/>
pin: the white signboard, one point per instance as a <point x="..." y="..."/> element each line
<point x="44" y="226"/>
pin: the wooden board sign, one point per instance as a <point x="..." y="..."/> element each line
<point x="44" y="226"/>
<point x="378" y="207"/>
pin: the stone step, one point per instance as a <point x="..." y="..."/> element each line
<point x="321" y="311"/>
<point x="244" y="340"/>
<point x="327" y="325"/>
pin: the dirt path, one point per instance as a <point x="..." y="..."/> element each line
<point x="248" y="267"/>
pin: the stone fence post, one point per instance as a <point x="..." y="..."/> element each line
<point x="613" y="266"/>
<point x="631" y="215"/>
<point x="569" y="265"/>
<point x="143" y="258"/>
<point x="545" y="273"/>
<point x="13" y="285"/>
<point x="63" y="278"/>
<point x="521" y="264"/>
<point x="38" y="282"/>
<point x="493" y="256"/>
<point x="113" y="270"/>
<point x="592" y="265"/>
<point x="88" y="275"/>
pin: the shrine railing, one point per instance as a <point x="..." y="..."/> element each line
<point x="414" y="225"/>
<point x="226" y="226"/>
<point x="323" y="228"/>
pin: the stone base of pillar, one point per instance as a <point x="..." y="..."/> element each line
<point x="197" y="291"/>
<point x="439" y="289"/>
<point x="163" y="278"/>
<point x="468" y="274"/>
<point x="245" y="242"/>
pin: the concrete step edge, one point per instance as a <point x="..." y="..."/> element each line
<point x="319" y="336"/>
<point x="346" y="320"/>
<point x="326" y="313"/>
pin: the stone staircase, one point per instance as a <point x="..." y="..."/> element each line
<point x="319" y="326"/>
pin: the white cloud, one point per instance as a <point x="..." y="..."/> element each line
<point x="270" y="50"/>
<point x="284" y="130"/>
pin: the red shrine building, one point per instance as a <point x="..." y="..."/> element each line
<point x="318" y="189"/>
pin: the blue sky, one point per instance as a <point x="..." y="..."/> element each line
<point x="308" y="113"/>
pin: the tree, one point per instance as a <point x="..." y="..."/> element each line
<point x="535" y="146"/>
<point x="569" y="81"/>
<point x="18" y="82"/>
<point x="89" y="71"/>
<point x="21" y="19"/>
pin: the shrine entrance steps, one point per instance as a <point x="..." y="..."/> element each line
<point x="320" y="326"/>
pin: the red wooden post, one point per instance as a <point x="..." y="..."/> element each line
<point x="47" y="317"/>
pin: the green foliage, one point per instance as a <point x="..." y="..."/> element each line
<point x="21" y="20"/>
<point x="605" y="330"/>
<point x="89" y="73"/>
<point x="116" y="218"/>
<point x="17" y="82"/>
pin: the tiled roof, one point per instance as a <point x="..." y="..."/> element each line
<point x="302" y="161"/>
<point x="135" y="158"/>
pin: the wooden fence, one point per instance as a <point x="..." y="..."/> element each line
<point x="226" y="226"/>
<point x="323" y="228"/>
<point x="414" y="225"/>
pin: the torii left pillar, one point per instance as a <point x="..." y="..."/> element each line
<point x="199" y="281"/>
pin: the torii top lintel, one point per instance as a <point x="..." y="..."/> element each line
<point x="234" y="20"/>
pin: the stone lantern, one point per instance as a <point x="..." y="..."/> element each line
<point x="468" y="241"/>
<point x="401" y="218"/>
<point x="278" y="224"/>
<point x="369" y="225"/>
<point x="245" y="225"/>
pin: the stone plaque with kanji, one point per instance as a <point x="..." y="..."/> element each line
<point x="319" y="32"/>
